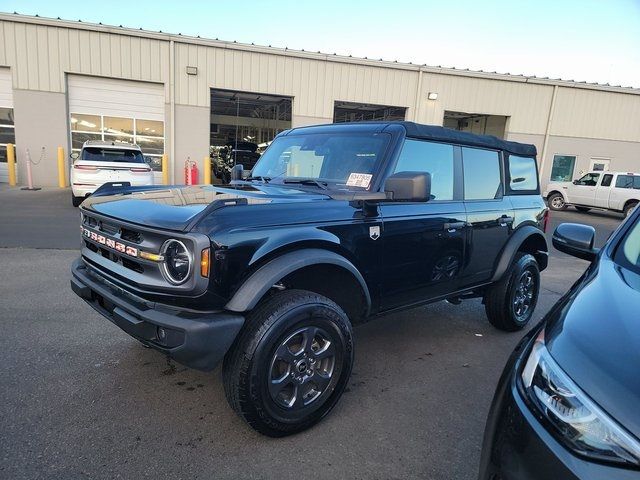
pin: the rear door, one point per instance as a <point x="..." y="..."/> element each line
<point x="424" y="242"/>
<point x="489" y="213"/>
<point x="603" y="191"/>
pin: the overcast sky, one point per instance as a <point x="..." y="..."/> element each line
<point x="591" y="40"/>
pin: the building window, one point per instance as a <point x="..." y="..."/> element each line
<point x="147" y="134"/>
<point x="435" y="158"/>
<point x="562" y="168"/>
<point x="7" y="131"/>
<point x="482" y="179"/>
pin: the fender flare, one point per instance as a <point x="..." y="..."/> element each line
<point x="513" y="245"/>
<point x="259" y="282"/>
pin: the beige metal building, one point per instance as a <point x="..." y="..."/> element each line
<point x="62" y="83"/>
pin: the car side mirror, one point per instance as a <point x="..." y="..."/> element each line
<point x="236" y="172"/>
<point x="408" y="186"/>
<point x="74" y="155"/>
<point x="576" y="239"/>
<point x="576" y="182"/>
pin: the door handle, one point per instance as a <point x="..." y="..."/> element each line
<point x="505" y="220"/>
<point x="452" y="227"/>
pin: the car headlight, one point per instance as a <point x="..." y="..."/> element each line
<point x="177" y="262"/>
<point x="584" y="427"/>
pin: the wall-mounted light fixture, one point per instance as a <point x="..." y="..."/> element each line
<point x="432" y="96"/>
<point x="192" y="70"/>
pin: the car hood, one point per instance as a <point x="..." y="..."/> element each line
<point x="180" y="208"/>
<point x="594" y="335"/>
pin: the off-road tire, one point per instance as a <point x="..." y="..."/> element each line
<point x="557" y="206"/>
<point x="583" y="209"/>
<point x="629" y="208"/>
<point x="248" y="366"/>
<point x="76" y="201"/>
<point x="499" y="299"/>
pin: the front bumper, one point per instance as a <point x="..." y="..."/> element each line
<point x="518" y="447"/>
<point x="196" y="339"/>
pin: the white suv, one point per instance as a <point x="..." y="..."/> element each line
<point x="617" y="191"/>
<point x="101" y="162"/>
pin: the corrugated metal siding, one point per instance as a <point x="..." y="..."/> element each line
<point x="45" y="53"/>
<point x="593" y="114"/>
<point x="526" y="104"/>
<point x="118" y="98"/>
<point x="41" y="54"/>
<point x="314" y="84"/>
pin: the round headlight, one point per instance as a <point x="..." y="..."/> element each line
<point x="176" y="265"/>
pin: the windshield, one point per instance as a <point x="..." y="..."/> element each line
<point x="343" y="160"/>
<point x="99" y="154"/>
<point x="628" y="254"/>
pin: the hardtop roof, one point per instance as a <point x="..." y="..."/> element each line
<point x="426" y="132"/>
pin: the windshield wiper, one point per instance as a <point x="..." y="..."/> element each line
<point x="260" y="178"/>
<point x="308" y="181"/>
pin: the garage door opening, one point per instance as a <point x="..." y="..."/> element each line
<point x="358" y="112"/>
<point x="242" y="125"/>
<point x="479" y="123"/>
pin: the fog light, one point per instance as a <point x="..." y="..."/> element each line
<point x="162" y="334"/>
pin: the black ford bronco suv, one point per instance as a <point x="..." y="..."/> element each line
<point x="335" y="225"/>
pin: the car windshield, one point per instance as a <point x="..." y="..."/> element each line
<point x="343" y="160"/>
<point x="99" y="154"/>
<point x="628" y="254"/>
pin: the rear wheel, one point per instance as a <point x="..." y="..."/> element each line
<point x="510" y="303"/>
<point x="628" y="208"/>
<point x="76" y="201"/>
<point x="291" y="363"/>
<point x="583" y="209"/>
<point x="556" y="202"/>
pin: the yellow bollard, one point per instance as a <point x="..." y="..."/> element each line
<point x="207" y="170"/>
<point x="165" y="169"/>
<point x="11" y="164"/>
<point x="62" y="177"/>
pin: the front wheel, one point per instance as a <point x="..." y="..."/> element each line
<point x="510" y="303"/>
<point x="556" y="202"/>
<point x="291" y="363"/>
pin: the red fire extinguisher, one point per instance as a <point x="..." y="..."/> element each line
<point x="190" y="172"/>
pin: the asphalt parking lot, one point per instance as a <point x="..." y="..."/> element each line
<point x="80" y="398"/>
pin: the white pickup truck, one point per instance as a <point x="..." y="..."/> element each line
<point x="617" y="191"/>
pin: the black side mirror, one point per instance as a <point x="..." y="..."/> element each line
<point x="409" y="186"/>
<point x="236" y="172"/>
<point x="576" y="239"/>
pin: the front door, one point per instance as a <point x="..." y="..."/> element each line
<point x="583" y="190"/>
<point x="424" y="242"/>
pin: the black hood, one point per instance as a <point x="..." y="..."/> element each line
<point x="595" y="337"/>
<point x="181" y="207"/>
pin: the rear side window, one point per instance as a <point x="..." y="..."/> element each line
<point x="606" y="180"/>
<point x="434" y="158"/>
<point x="482" y="179"/>
<point x="97" y="154"/>
<point x="523" y="174"/>
<point x="624" y="181"/>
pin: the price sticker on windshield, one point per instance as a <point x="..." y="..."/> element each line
<point x="359" y="180"/>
